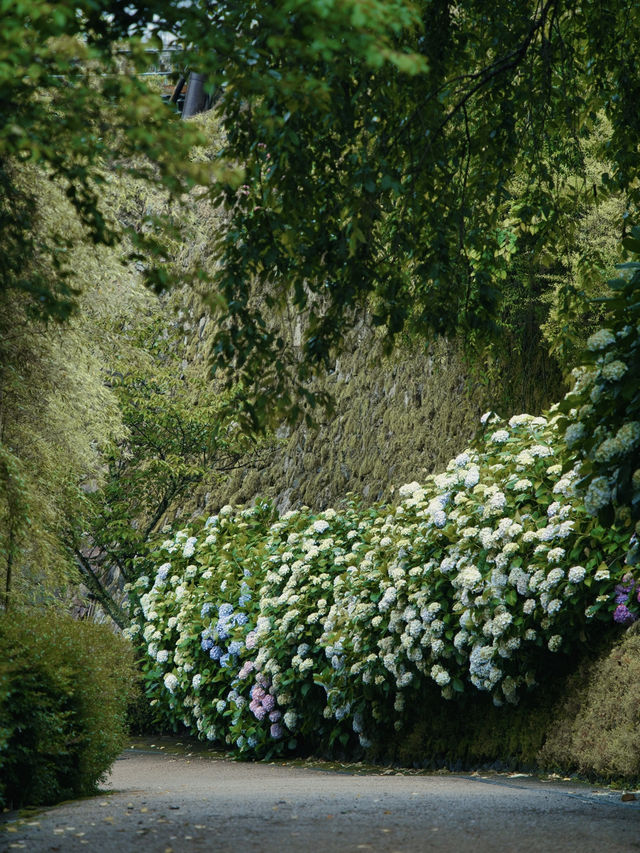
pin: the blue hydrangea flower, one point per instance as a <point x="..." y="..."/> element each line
<point x="207" y="607"/>
<point x="215" y="653"/>
<point x="224" y="660"/>
<point x="235" y="647"/>
<point x="240" y="618"/>
<point x="225" y="611"/>
<point x="206" y="644"/>
<point x="221" y="630"/>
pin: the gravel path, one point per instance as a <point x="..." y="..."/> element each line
<point x="163" y="803"/>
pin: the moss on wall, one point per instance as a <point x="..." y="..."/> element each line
<point x="596" y="726"/>
<point x="395" y="420"/>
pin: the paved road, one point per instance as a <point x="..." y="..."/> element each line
<point x="162" y="803"/>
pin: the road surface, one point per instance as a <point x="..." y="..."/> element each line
<point x="156" y="802"/>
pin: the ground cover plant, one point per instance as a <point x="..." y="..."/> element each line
<point x="319" y="630"/>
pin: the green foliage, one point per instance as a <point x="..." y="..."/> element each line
<point x="56" y="415"/>
<point x="72" y="108"/>
<point x="64" y="688"/>
<point x="403" y="156"/>
<point x="603" y="409"/>
<point x="174" y="440"/>
<point x="412" y="189"/>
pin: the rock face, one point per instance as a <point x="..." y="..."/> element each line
<point x="395" y="420"/>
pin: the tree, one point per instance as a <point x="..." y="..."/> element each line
<point x="72" y="106"/>
<point x="396" y="154"/>
<point x="400" y="155"/>
<point x="174" y="443"/>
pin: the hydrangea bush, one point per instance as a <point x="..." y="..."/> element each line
<point x="266" y="633"/>
<point x="602" y="423"/>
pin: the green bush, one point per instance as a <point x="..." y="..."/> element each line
<point x="64" y="689"/>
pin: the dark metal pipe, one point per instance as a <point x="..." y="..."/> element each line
<point x="196" y="97"/>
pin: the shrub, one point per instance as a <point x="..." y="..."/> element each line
<point x="602" y="423"/>
<point x="333" y="630"/>
<point x="64" y="688"/>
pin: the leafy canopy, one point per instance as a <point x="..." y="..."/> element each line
<point x="396" y="154"/>
<point x="399" y="155"/>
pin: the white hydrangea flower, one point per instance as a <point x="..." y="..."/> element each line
<point x="547" y="534"/>
<point x="500" y="623"/>
<point x="601" y="340"/>
<point x="574" y="433"/>
<point x="468" y="578"/>
<point x="408" y="489"/>
<point x="499" y="436"/>
<point x="439" y="518"/>
<point x="554" y="643"/>
<point x="497" y="502"/>
<point x="472" y="477"/>
<point x="540" y="450"/>
<point x="576" y="574"/>
<point x="608" y="450"/>
<point x="171" y="682"/>
<point x="440" y="675"/>
<point x="628" y="436"/>
<point x="520" y="420"/>
<point x="614" y="370"/>
<point x="555" y="555"/>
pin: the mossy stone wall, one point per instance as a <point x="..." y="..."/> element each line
<point x="396" y="419"/>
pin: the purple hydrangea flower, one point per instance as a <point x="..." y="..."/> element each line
<point x="622" y="593"/>
<point x="276" y="731"/>
<point x="258" y="711"/>
<point x="623" y="616"/>
<point x="269" y="702"/>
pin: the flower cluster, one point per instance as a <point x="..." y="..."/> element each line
<point x="264" y="631"/>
